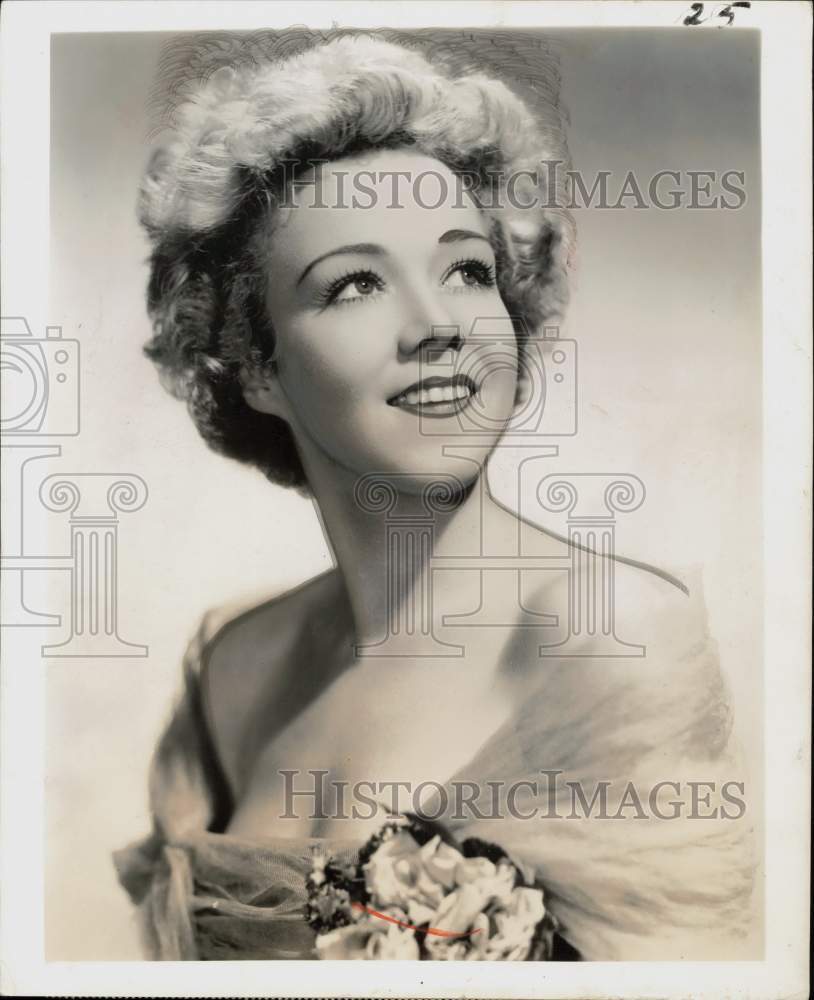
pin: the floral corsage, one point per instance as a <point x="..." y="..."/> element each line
<point x="414" y="893"/>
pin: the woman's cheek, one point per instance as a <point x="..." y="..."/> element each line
<point x="326" y="386"/>
<point x="349" y="342"/>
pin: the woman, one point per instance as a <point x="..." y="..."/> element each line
<point x="341" y="240"/>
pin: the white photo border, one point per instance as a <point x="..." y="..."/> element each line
<point x="786" y="207"/>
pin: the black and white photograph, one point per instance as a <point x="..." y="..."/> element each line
<point x="406" y="529"/>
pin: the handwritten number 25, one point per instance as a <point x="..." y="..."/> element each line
<point x="727" y="12"/>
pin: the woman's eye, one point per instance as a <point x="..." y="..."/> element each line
<point x="360" y="286"/>
<point x="470" y="274"/>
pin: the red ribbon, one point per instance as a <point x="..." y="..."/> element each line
<point x="412" y="927"/>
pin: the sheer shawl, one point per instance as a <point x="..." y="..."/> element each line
<point x="666" y="869"/>
<point x="200" y="893"/>
<point x="631" y="887"/>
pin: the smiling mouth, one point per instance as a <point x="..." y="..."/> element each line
<point x="436" y="396"/>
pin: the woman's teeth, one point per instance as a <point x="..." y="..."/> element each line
<point x="437" y="394"/>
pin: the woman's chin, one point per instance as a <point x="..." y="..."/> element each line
<point x="440" y="480"/>
<point x="456" y="462"/>
<point x="407" y="463"/>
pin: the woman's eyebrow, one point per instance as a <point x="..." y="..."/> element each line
<point x="450" y="236"/>
<point x="456" y="235"/>
<point x="372" y="248"/>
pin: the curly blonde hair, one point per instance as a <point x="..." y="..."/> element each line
<point x="208" y="198"/>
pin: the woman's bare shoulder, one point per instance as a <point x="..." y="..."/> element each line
<point x="271" y="624"/>
<point x="638" y="592"/>
<point x="622" y="625"/>
<point x="645" y="671"/>
<point x="254" y="661"/>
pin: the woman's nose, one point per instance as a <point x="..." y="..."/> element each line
<point x="427" y="321"/>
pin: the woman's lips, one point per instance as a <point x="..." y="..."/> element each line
<point x="436" y="396"/>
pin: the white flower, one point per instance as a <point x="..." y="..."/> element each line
<point x="479" y="937"/>
<point x="388" y="880"/>
<point x="420" y="913"/>
<point x="396" y="874"/>
<point x="344" y="942"/>
<point x="518" y="912"/>
<point x="515" y="925"/>
<point x="395" y="943"/>
<point x="456" y="915"/>
<point x="441" y="861"/>
<point x="471" y="907"/>
<point x="319" y="860"/>
<point x="470" y="869"/>
<point x="369" y="938"/>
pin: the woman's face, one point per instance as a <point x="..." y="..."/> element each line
<point x="391" y="338"/>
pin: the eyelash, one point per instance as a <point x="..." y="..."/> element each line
<point x="328" y="295"/>
<point x="485" y="271"/>
<point x="330" y="292"/>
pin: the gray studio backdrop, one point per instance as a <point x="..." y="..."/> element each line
<point x="667" y="316"/>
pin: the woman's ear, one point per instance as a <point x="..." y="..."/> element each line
<point x="263" y="392"/>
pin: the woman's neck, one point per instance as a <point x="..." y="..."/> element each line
<point x="383" y="530"/>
